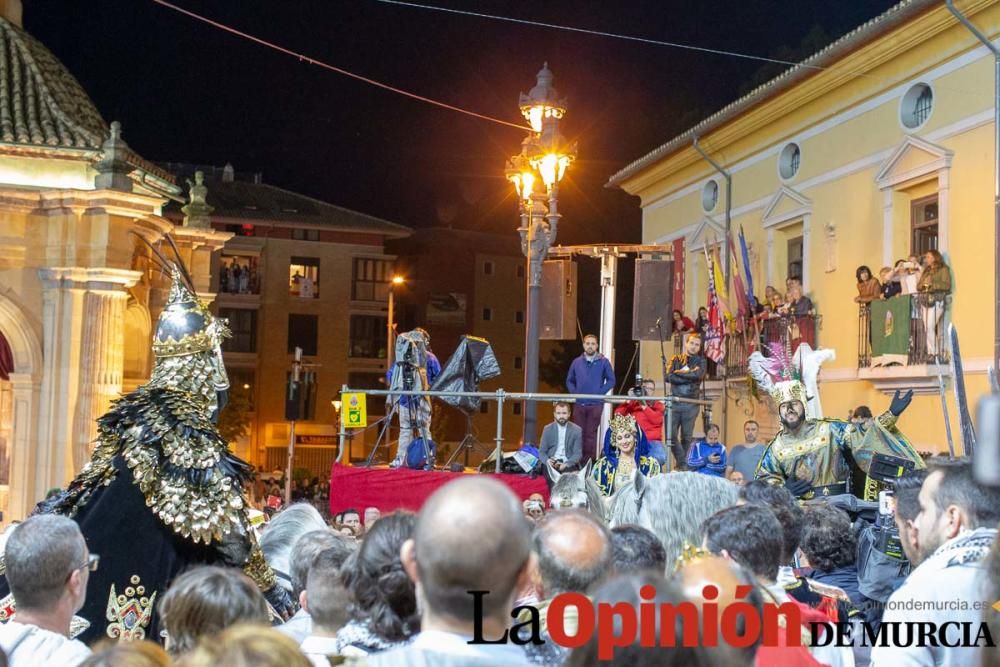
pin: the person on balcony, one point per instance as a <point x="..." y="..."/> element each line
<point x="798" y="305"/>
<point x="701" y="322"/>
<point x="934" y="284"/>
<point x="682" y="323"/>
<point x="907" y="272"/>
<point x="869" y="288"/>
<point x="810" y="456"/>
<point x="890" y="287"/>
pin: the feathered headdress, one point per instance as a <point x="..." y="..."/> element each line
<point x="777" y="375"/>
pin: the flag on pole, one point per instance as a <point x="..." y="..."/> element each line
<point x="714" y="349"/>
<point x="751" y="299"/>
<point x="742" y="307"/>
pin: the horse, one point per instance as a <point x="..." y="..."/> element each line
<point x="672" y="506"/>
<point x="576" y="489"/>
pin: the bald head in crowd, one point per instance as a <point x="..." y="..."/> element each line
<point x="471" y="535"/>
<point x="574" y="551"/>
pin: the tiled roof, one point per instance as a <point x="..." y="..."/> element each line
<point x="258" y="201"/>
<point x="825" y="57"/>
<point x="40" y="101"/>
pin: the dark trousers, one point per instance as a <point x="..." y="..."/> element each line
<point x="588" y="418"/>
<point x="682" y="417"/>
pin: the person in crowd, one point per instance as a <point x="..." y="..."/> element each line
<point x="326" y="600"/>
<point x="744" y="458"/>
<point x="649" y="416"/>
<point x="780" y="501"/>
<point x="590" y="373"/>
<point x="561" y="445"/>
<point x="625" y="455"/>
<point x="534" y="508"/>
<point x="956" y="527"/>
<point x="573" y="550"/>
<point x="418" y="373"/>
<point x="247" y="644"/>
<point x="307" y="548"/>
<point x="682" y="323"/>
<point x="352" y="518"/>
<point x="204" y="601"/>
<point x="697" y="569"/>
<point x="48" y="566"/>
<point x="890" y="287"/>
<point x="128" y="654"/>
<point x="685" y="373"/>
<point x="281" y="534"/>
<point x="631" y="589"/>
<point x="383" y="614"/>
<point x="708" y="456"/>
<point x="636" y="548"/>
<point x="906" y="493"/>
<point x="869" y="288"/>
<point x="470" y="536"/>
<point x="828" y="549"/>
<point x="752" y="536"/>
<point x="372" y="514"/>
<point x="934" y="284"/>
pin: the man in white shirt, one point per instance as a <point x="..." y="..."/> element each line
<point x="955" y="529"/>
<point x="561" y="445"/>
<point x="48" y="566"/>
<point x="470" y="536"/>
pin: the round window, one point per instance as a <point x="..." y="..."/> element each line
<point x="788" y="161"/>
<point x="710" y="195"/>
<point x="916" y="106"/>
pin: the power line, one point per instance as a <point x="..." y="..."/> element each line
<point x="333" y="68"/>
<point x="654" y="42"/>
<point x="599" y="33"/>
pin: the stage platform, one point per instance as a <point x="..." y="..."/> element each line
<point x="388" y="489"/>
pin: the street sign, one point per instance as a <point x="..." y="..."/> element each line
<point x="355" y="412"/>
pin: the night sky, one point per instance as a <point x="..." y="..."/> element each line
<point x="187" y="92"/>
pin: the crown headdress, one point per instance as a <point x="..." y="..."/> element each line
<point x="622" y="424"/>
<point x="777" y="375"/>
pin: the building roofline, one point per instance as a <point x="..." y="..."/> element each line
<point x="860" y="36"/>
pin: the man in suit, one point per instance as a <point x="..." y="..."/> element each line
<point x="562" y="441"/>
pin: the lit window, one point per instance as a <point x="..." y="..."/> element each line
<point x="238" y="275"/>
<point x="303" y="277"/>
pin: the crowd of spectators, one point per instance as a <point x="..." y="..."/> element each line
<point x="397" y="590"/>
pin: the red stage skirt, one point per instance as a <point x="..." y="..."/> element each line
<point x="388" y="490"/>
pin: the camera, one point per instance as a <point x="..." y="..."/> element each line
<point x="886" y="470"/>
<point x="637" y="387"/>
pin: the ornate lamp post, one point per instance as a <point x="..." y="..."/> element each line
<point x="545" y="154"/>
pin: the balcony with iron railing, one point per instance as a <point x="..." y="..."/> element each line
<point x="925" y="324"/>
<point x="787" y="331"/>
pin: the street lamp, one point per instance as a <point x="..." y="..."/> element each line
<point x="545" y="154"/>
<point x="390" y="338"/>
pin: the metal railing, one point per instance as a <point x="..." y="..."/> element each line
<point x="928" y="344"/>
<point x="501" y="396"/>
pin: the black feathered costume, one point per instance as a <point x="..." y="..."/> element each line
<point x="162" y="491"/>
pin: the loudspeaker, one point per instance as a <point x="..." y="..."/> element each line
<point x="557" y="317"/>
<point x="654" y="295"/>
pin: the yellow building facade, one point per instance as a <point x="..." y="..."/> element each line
<point x="879" y="146"/>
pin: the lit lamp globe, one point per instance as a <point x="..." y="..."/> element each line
<point x="542" y="102"/>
